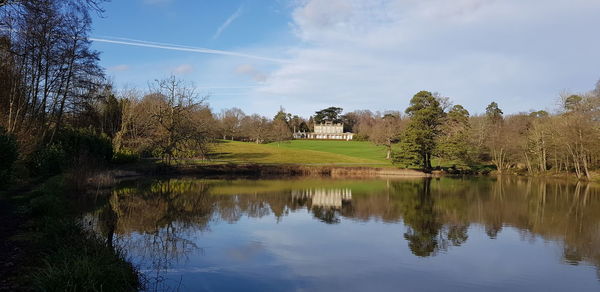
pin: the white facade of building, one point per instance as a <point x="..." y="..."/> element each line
<point x="326" y="131"/>
<point x="328" y="198"/>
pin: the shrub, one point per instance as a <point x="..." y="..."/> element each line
<point x="8" y="155"/>
<point x="48" y="161"/>
<point x="71" y="147"/>
<point x="83" y="143"/>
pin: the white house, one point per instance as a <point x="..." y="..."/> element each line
<point x="326" y="131"/>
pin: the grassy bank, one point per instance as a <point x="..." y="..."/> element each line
<point x="61" y="254"/>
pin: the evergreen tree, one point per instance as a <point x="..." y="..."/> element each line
<point x="418" y="141"/>
<point x="330" y="114"/>
<point x="493" y="113"/>
<point x="454" y="143"/>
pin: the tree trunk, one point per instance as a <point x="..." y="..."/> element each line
<point x="528" y="163"/>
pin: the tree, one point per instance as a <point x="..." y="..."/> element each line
<point x="572" y="103"/>
<point x="280" y="131"/>
<point x="418" y="141"/>
<point x="386" y="132"/>
<point x="111" y="112"/>
<point x="256" y="127"/>
<point x="365" y="121"/>
<point x="496" y="136"/>
<point x="230" y="120"/>
<point x="579" y="131"/>
<point x="330" y="114"/>
<point x="297" y="124"/>
<point x="454" y="142"/>
<point x="538" y="141"/>
<point x="178" y="129"/>
<point x="282" y="116"/>
<point x="493" y="113"/>
<point x="350" y="120"/>
<point x="54" y="72"/>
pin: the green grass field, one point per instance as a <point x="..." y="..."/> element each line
<point x="302" y="152"/>
<point x="358" y="149"/>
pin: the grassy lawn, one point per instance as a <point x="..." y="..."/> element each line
<point x="302" y="152"/>
<point x="358" y="149"/>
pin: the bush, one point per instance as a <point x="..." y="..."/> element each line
<point x="71" y="146"/>
<point x="47" y="161"/>
<point x="83" y="143"/>
<point x="8" y="155"/>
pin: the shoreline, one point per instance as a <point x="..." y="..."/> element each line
<point x="259" y="170"/>
<point x="326" y="170"/>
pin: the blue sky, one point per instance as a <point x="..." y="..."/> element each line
<point x="305" y="55"/>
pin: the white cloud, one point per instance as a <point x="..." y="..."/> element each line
<point x="249" y="70"/>
<point x="377" y="53"/>
<point x="227" y="22"/>
<point x="183" y="69"/>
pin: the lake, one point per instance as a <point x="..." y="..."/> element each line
<point x="307" y="234"/>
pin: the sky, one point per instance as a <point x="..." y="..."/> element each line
<point x="306" y="55"/>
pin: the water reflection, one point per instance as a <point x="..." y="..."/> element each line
<point x="161" y="222"/>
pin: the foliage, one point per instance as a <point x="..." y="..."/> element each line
<point x="493" y="113"/>
<point x="47" y="161"/>
<point x="407" y="154"/>
<point x="282" y="116"/>
<point x="70" y="147"/>
<point x="418" y="141"/>
<point x="330" y="114"/>
<point x="454" y="142"/>
<point x="8" y="155"/>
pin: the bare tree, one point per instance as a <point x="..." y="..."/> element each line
<point x="178" y="129"/>
<point x="256" y="127"/>
<point x="280" y="131"/>
<point x="386" y="131"/>
<point x="230" y="120"/>
<point x="54" y="72"/>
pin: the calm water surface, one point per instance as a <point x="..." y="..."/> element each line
<point x="511" y="234"/>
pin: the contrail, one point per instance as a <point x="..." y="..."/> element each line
<point x="137" y="43"/>
<point x="227" y="22"/>
<point x="174" y="47"/>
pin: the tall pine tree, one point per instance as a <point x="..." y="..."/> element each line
<point x="418" y="141"/>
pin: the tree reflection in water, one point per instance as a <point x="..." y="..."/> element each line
<point x="159" y="220"/>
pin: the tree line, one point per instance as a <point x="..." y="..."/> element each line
<point x="49" y="80"/>
<point x="53" y="95"/>
<point x="432" y="128"/>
